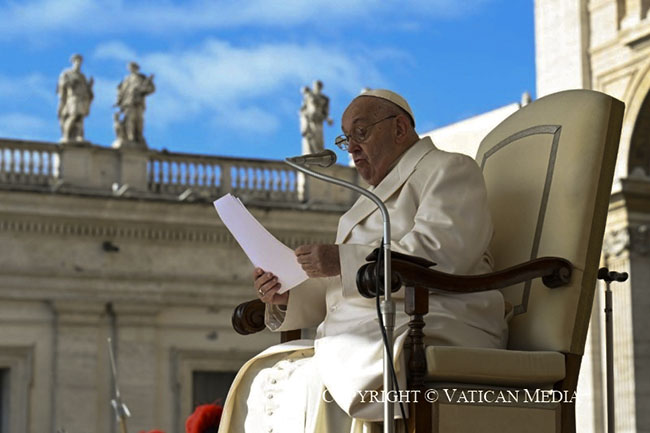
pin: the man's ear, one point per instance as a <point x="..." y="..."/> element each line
<point x="402" y="128"/>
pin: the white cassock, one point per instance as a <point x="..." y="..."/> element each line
<point x="438" y="207"/>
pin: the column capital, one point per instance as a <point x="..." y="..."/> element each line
<point x="633" y="239"/>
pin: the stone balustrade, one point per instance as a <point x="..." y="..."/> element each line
<point x="183" y="174"/>
<point x="97" y="170"/>
<point x="28" y="163"/>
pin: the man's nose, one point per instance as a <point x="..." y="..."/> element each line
<point x="352" y="146"/>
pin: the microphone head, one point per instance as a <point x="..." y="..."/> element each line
<point x="328" y="158"/>
<point x="325" y="159"/>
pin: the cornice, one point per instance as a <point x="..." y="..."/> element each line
<point x="68" y="290"/>
<point x="159" y="232"/>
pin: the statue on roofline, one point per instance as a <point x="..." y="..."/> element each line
<point x="313" y="112"/>
<point x="75" y="95"/>
<point x="129" y="121"/>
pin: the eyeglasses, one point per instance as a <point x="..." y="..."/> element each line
<point x="359" y="134"/>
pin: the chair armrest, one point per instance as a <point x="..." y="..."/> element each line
<point x="248" y="317"/>
<point x="374" y="255"/>
<point x="554" y="271"/>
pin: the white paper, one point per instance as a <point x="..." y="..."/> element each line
<point x="261" y="247"/>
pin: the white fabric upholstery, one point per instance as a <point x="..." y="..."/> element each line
<point x="494" y="366"/>
<point x="463" y="418"/>
<point x="548" y="169"/>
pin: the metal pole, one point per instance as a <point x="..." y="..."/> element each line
<point x="608" y="276"/>
<point x="121" y="411"/>
<point x="388" y="305"/>
<point x="388" y="313"/>
<point x="609" y="350"/>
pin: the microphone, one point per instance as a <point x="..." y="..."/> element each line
<point x="322" y="159"/>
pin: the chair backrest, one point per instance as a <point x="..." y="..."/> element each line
<point x="548" y="169"/>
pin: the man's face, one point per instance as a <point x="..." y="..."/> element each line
<point x="374" y="156"/>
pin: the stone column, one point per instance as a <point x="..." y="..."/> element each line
<point x="590" y="403"/>
<point x="82" y="396"/>
<point x="627" y="249"/>
<point x="561" y="45"/>
<point x="138" y="360"/>
<point x="618" y="259"/>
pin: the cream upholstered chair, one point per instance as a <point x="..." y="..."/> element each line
<point x="548" y="170"/>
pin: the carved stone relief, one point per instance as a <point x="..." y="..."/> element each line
<point x="634" y="239"/>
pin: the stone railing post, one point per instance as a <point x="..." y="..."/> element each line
<point x="319" y="192"/>
<point x="133" y="168"/>
<point x="76" y="163"/>
<point x="226" y="178"/>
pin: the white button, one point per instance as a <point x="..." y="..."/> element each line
<point x="270" y="396"/>
<point x="334" y="307"/>
<point x="273" y="381"/>
<point x="270" y="430"/>
<point x="269" y="413"/>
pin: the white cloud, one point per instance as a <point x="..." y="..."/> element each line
<point x="115" y="50"/>
<point x="28" y="87"/>
<point x="25" y="126"/>
<point x="120" y="17"/>
<point x="445" y="8"/>
<point x="105" y="91"/>
<point x="232" y="83"/>
<point x="247" y="119"/>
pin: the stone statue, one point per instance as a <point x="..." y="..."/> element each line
<point x="313" y="112"/>
<point x="129" y="121"/>
<point x="75" y="95"/>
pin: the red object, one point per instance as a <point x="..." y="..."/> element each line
<point x="205" y="419"/>
<point x="152" y="431"/>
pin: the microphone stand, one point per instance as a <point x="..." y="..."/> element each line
<point x="609" y="277"/>
<point x="121" y="411"/>
<point x="387" y="305"/>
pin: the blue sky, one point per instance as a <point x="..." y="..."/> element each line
<point x="228" y="73"/>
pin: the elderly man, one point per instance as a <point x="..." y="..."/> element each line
<point x="438" y="207"/>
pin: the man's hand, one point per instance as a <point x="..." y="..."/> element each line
<point x="267" y="287"/>
<point x="319" y="260"/>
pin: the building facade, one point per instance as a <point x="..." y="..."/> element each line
<point x="604" y="45"/>
<point x="99" y="243"/>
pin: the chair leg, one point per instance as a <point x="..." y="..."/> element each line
<point x="420" y="417"/>
<point x="569" y="385"/>
<point x="568" y="418"/>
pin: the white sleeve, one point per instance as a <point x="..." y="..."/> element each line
<point x="451" y="227"/>
<point x="305" y="309"/>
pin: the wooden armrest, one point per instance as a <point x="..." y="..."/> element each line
<point x="554" y="271"/>
<point x="248" y="317"/>
<point x="374" y="255"/>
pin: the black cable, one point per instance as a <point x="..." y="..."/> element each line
<point x="389" y="349"/>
